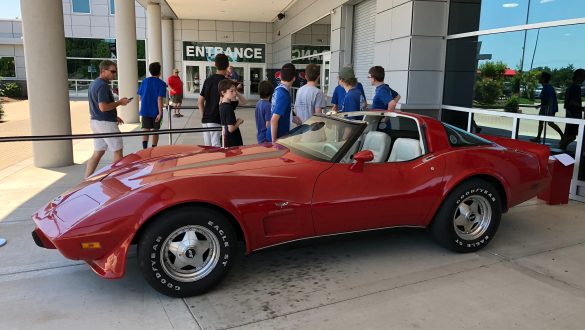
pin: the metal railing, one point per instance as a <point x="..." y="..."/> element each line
<point x="577" y="190"/>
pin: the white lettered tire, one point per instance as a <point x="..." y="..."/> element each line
<point x="469" y="216"/>
<point x="186" y="251"/>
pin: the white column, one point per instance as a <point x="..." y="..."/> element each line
<point x="127" y="58"/>
<point x="153" y="21"/>
<point x="168" y="48"/>
<point x="46" y="72"/>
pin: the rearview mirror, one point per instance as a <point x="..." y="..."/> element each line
<point x="360" y="158"/>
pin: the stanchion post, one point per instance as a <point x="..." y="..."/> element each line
<point x="169" y="107"/>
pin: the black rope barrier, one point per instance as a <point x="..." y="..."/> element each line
<point x="105" y="135"/>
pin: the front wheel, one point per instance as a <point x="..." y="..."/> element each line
<point x="186" y="251"/>
<point x="469" y="217"/>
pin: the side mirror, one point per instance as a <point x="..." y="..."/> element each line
<point x="360" y="158"/>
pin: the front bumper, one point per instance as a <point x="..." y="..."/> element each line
<point x="41" y="240"/>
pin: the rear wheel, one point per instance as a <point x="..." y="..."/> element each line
<point x="186" y="251"/>
<point x="469" y="217"/>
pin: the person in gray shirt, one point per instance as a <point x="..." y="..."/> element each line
<point x="310" y="99"/>
<point x="104" y="115"/>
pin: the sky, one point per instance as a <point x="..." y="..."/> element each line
<point x="9" y="9"/>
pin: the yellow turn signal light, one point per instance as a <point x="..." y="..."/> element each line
<point x="91" y="245"/>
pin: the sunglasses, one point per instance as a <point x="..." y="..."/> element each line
<point x="113" y="71"/>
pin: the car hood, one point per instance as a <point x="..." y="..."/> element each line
<point x="163" y="163"/>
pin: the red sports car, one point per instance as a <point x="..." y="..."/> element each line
<point x="187" y="206"/>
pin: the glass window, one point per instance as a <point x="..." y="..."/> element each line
<point x="112" y="7"/>
<point x="502" y="71"/>
<point x="554" y="10"/>
<point x="80" y="6"/>
<point x="460" y="138"/>
<point x="7" y="67"/>
<point x="98" y="48"/>
<point x="83" y="69"/>
<point x="474" y="15"/>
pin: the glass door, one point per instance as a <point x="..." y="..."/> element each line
<point x="325" y="69"/>
<point x="192" y="79"/>
<point x="239" y="75"/>
<point x="256" y="75"/>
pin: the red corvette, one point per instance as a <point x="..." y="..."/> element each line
<point x="187" y="206"/>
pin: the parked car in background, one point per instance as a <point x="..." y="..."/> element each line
<point x="186" y="207"/>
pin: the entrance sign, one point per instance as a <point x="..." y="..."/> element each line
<point x="305" y="51"/>
<point x="206" y="51"/>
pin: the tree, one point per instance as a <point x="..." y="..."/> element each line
<point x="490" y="82"/>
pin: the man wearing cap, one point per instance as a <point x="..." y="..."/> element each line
<point x="176" y="86"/>
<point x="354" y="99"/>
<point x="339" y="94"/>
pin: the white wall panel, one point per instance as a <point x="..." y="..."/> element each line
<point x="191" y="24"/>
<point x="257" y="27"/>
<point x="241" y="26"/>
<point x="383" y="26"/>
<point x="192" y="35"/>
<point x="224" y="25"/>
<point x="398" y="80"/>
<point x="6" y="50"/>
<point x="100" y="31"/>
<point x="206" y="36"/>
<point x="80" y="20"/>
<point x="100" y="10"/>
<point x="401" y="21"/>
<point x="382" y="54"/>
<point x="241" y="36"/>
<point x="99" y="21"/>
<point x="258" y="37"/>
<point x="399" y="54"/>
<point x="383" y="5"/>
<point x="206" y="25"/>
<point x="225" y="36"/>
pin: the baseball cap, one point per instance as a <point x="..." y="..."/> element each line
<point x="346" y="73"/>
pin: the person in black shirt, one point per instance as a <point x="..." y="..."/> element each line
<point x="208" y="101"/>
<point x="573" y="107"/>
<point x="231" y="131"/>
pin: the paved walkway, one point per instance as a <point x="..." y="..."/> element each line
<point x="529" y="277"/>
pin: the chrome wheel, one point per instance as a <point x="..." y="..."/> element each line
<point x="472" y="217"/>
<point x="190" y="253"/>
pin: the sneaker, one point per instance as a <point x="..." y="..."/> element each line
<point x="180" y="115"/>
<point x="176" y="115"/>
<point x="536" y="140"/>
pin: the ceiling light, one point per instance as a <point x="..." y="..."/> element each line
<point x="510" y="5"/>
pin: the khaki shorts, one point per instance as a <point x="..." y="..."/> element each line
<point x="102" y="144"/>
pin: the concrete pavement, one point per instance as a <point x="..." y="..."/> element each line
<point x="530" y="276"/>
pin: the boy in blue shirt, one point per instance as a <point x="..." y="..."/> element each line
<point x="385" y="98"/>
<point x="354" y="99"/>
<point x="263" y="114"/>
<point x="339" y="95"/>
<point x="151" y="93"/>
<point x="281" y="104"/>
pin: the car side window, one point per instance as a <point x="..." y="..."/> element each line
<point x="460" y="138"/>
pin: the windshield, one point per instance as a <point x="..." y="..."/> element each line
<point x="322" y="138"/>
